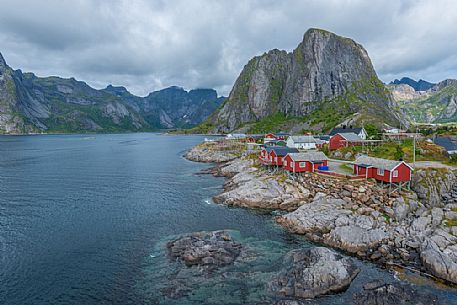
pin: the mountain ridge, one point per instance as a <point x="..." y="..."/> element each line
<point x="420" y="85"/>
<point x="435" y="105"/>
<point x="31" y="104"/>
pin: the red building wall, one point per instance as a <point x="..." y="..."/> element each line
<point x="404" y="173"/>
<point x="337" y="141"/>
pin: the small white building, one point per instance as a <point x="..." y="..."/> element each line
<point x="304" y="142"/>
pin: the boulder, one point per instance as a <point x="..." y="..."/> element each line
<point x="354" y="239"/>
<point x="440" y="261"/>
<point x="309" y="273"/>
<point x="209" y="250"/>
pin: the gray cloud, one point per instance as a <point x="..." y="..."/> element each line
<point x="147" y="45"/>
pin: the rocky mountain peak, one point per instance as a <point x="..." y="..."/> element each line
<point x="3" y="64"/>
<point x="324" y="68"/>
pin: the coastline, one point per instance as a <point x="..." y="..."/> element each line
<point x="357" y="217"/>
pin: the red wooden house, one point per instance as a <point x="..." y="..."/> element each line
<point x="304" y="162"/>
<point x="389" y="171"/>
<point x="277" y="136"/>
<point x="273" y="155"/>
<point x="341" y="140"/>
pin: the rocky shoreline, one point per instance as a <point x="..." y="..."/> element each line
<point x="416" y="229"/>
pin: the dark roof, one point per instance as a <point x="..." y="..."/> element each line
<point x="445" y="142"/>
<point x="351" y="137"/>
<point x="323" y="137"/>
<point x="275" y="143"/>
<point x="334" y="131"/>
<point x="281" y="134"/>
<point x="255" y="136"/>
<point x="281" y="151"/>
<point x="313" y="156"/>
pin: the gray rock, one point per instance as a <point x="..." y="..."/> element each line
<point x="440" y="262"/>
<point x="309" y="273"/>
<point x="355" y="239"/>
<point x="210" y="250"/>
<point x="401" y="210"/>
<point x="437" y="216"/>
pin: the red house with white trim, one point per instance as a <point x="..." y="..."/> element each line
<point x="304" y="162"/>
<point x="277" y="136"/>
<point x="341" y="140"/>
<point x="389" y="171"/>
<point x="273" y="155"/>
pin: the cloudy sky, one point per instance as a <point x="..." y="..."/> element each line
<point x="149" y="45"/>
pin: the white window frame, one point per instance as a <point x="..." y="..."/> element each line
<point x="302" y="164"/>
<point x="380" y="172"/>
<point x="285" y="162"/>
<point x="395" y="174"/>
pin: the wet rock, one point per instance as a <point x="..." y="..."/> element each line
<point x="379" y="293"/>
<point x="313" y="272"/>
<point x="209" y="250"/>
<point x="439" y="256"/>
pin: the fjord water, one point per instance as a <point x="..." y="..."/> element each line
<point x="83" y="219"/>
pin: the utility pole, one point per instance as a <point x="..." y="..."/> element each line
<point x="414" y="149"/>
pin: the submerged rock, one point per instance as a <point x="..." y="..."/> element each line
<point x="379" y="293"/>
<point x="209" y="250"/>
<point x="313" y="272"/>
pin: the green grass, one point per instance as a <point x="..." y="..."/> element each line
<point x="346" y="167"/>
<point x="394" y="150"/>
<point x="272" y="123"/>
<point x="451" y="223"/>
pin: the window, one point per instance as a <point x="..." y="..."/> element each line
<point x="285" y="163"/>
<point x="395" y="174"/>
<point x="302" y="164"/>
<point x="380" y="172"/>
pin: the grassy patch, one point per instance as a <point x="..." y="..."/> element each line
<point x="346" y="168"/>
<point x="451" y="223"/>
<point x="394" y="150"/>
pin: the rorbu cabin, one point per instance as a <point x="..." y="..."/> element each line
<point x="277" y="154"/>
<point x="273" y="155"/>
<point x="341" y="140"/>
<point x="305" y="162"/>
<point x="254" y="138"/>
<point x="384" y="170"/>
<point x="276" y="136"/>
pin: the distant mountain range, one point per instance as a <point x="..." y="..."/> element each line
<point x="31" y="104"/>
<point x="327" y="80"/>
<point x="437" y="104"/>
<point x="420" y="85"/>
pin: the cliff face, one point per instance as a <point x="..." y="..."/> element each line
<point x="30" y="104"/>
<point x="325" y="69"/>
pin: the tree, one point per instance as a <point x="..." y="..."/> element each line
<point x="373" y="132"/>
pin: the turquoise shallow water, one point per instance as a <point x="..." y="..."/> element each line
<point x="83" y="220"/>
